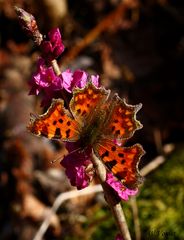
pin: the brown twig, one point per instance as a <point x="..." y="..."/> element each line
<point x="158" y="140"/>
<point x="106" y="23"/>
<point x="115" y="206"/>
<point x="137" y="228"/>
<point x="156" y="162"/>
<point x="57" y="203"/>
<point x="56" y="67"/>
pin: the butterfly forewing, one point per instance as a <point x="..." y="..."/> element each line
<point x="121" y="122"/>
<point x="56" y="123"/>
<point x="85" y="101"/>
<point x="121" y="161"/>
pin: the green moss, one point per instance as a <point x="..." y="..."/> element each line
<point x="161" y="201"/>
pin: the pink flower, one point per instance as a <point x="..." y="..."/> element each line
<point x="76" y="164"/>
<point x="67" y="77"/>
<point x="77" y="79"/>
<point x="81" y="78"/>
<point x="95" y="80"/>
<point x="45" y="80"/>
<point x="118" y="142"/>
<point x="29" y="25"/>
<point x="122" y="191"/>
<point x="54" y="47"/>
<point x="119" y="237"/>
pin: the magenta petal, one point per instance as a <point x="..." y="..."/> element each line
<point x="57" y="44"/>
<point x="40" y="63"/>
<point x="35" y="90"/>
<point x="53" y="47"/>
<point x="67" y="77"/>
<point x="120" y="189"/>
<point x="75" y="171"/>
<point x="75" y="164"/>
<point x="58" y="50"/>
<point x="119" y="237"/>
<point x="47" y="47"/>
<point x="95" y="80"/>
<point x="40" y="80"/>
<point x="44" y="77"/>
<point x="118" y="142"/>
<point x="57" y="83"/>
<point x="79" y="78"/>
<point x="82" y="179"/>
<point x="45" y="80"/>
<point x="54" y="35"/>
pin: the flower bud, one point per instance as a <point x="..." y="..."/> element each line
<point x="29" y="25"/>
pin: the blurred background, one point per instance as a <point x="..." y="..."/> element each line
<point x="137" y="48"/>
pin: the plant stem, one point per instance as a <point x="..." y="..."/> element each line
<point x="56" y="67"/>
<point x="112" y="201"/>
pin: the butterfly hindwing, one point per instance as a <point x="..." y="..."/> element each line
<point x="121" y="161"/>
<point x="56" y="123"/>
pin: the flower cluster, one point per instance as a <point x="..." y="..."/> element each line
<point x="51" y="85"/>
<point x="52" y="48"/>
<point x="76" y="163"/>
<point x="46" y="81"/>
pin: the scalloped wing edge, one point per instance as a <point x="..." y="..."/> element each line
<point x="36" y="117"/>
<point x="81" y="90"/>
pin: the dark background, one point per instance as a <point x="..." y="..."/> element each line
<point x="139" y="54"/>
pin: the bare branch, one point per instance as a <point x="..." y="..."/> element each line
<point x="155" y="163"/>
<point x="57" y="203"/>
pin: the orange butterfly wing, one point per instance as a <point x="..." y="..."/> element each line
<point x="88" y="100"/>
<point x="56" y="123"/>
<point x="122" y="122"/>
<point x="121" y="161"/>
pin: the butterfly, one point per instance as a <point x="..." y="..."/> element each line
<point x="96" y="119"/>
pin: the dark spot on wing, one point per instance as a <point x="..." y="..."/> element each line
<point x="123" y="161"/>
<point x="116" y="121"/>
<point x="117" y="132"/>
<point x="68" y="133"/>
<point x="54" y="122"/>
<point x="44" y="131"/>
<point x="68" y="123"/>
<point x="121" y="155"/>
<point x="113" y="128"/>
<point x="78" y="111"/>
<point x="113" y="148"/>
<point x="60" y="120"/>
<point x="105" y="154"/>
<point x="84" y="112"/>
<point x="57" y="133"/>
<point x="111" y="164"/>
<point x="121" y="175"/>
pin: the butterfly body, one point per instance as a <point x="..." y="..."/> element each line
<point x="92" y="130"/>
<point x="95" y="120"/>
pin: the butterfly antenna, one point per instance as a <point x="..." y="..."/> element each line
<point x="75" y="150"/>
<point x="56" y="159"/>
<point x="61" y="156"/>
